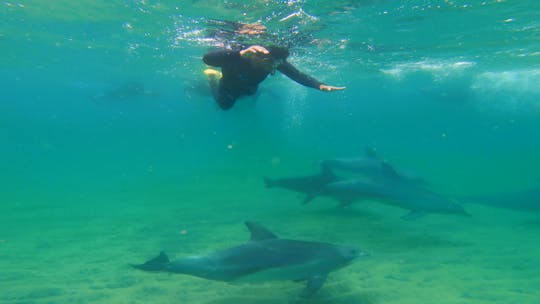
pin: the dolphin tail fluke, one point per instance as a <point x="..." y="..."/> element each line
<point x="158" y="263"/>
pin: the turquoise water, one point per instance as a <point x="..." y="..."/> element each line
<point x="95" y="177"/>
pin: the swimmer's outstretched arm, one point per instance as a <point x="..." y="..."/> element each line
<point x="293" y="73"/>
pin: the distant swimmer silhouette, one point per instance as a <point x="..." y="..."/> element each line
<point x="243" y="70"/>
<point x="127" y="91"/>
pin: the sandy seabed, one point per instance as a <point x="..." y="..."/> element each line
<point x="81" y="253"/>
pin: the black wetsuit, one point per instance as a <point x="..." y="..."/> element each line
<point x="241" y="77"/>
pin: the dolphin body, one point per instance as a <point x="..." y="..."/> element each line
<point x="127" y="91"/>
<point x="527" y="200"/>
<point x="264" y="257"/>
<point x="310" y="185"/>
<point x="370" y="166"/>
<point x="418" y="199"/>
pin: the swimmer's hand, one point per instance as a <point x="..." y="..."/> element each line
<point x="328" y="88"/>
<point x="254" y="49"/>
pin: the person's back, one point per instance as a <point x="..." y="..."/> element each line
<point x="238" y="74"/>
<point x="243" y="70"/>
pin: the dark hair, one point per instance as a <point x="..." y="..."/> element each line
<point x="278" y="52"/>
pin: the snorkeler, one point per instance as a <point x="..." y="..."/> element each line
<point x="242" y="71"/>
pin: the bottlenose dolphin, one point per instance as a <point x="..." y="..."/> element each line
<point x="370" y="166"/>
<point x="526" y="200"/>
<point x="418" y="199"/>
<point x="264" y="257"/>
<point x="310" y="185"/>
<point x="127" y="91"/>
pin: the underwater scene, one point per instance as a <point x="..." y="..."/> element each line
<point x="300" y="151"/>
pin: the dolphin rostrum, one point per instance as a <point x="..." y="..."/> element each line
<point x="264" y="257"/>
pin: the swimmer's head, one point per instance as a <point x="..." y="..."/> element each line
<point x="270" y="62"/>
<point x="278" y="52"/>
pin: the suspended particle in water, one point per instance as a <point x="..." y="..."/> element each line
<point x="127" y="26"/>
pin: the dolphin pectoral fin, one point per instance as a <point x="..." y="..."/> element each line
<point x="413" y="215"/>
<point x="314" y="283"/>
<point x="158" y="263"/>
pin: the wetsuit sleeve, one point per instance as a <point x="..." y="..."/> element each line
<point x="219" y="58"/>
<point x="293" y="73"/>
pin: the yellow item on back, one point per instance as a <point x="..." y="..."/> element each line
<point x="213" y="73"/>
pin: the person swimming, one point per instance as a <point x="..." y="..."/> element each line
<point x="243" y="70"/>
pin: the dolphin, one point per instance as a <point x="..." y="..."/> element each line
<point x="126" y="91"/>
<point x="371" y="166"/>
<point x="526" y="200"/>
<point x="310" y="185"/>
<point x="265" y="257"/>
<point x="418" y="199"/>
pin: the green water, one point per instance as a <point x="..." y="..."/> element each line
<point x="90" y="183"/>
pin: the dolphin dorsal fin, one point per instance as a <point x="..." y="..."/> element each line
<point x="326" y="172"/>
<point x="259" y="233"/>
<point x="389" y="170"/>
<point x="371" y="153"/>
